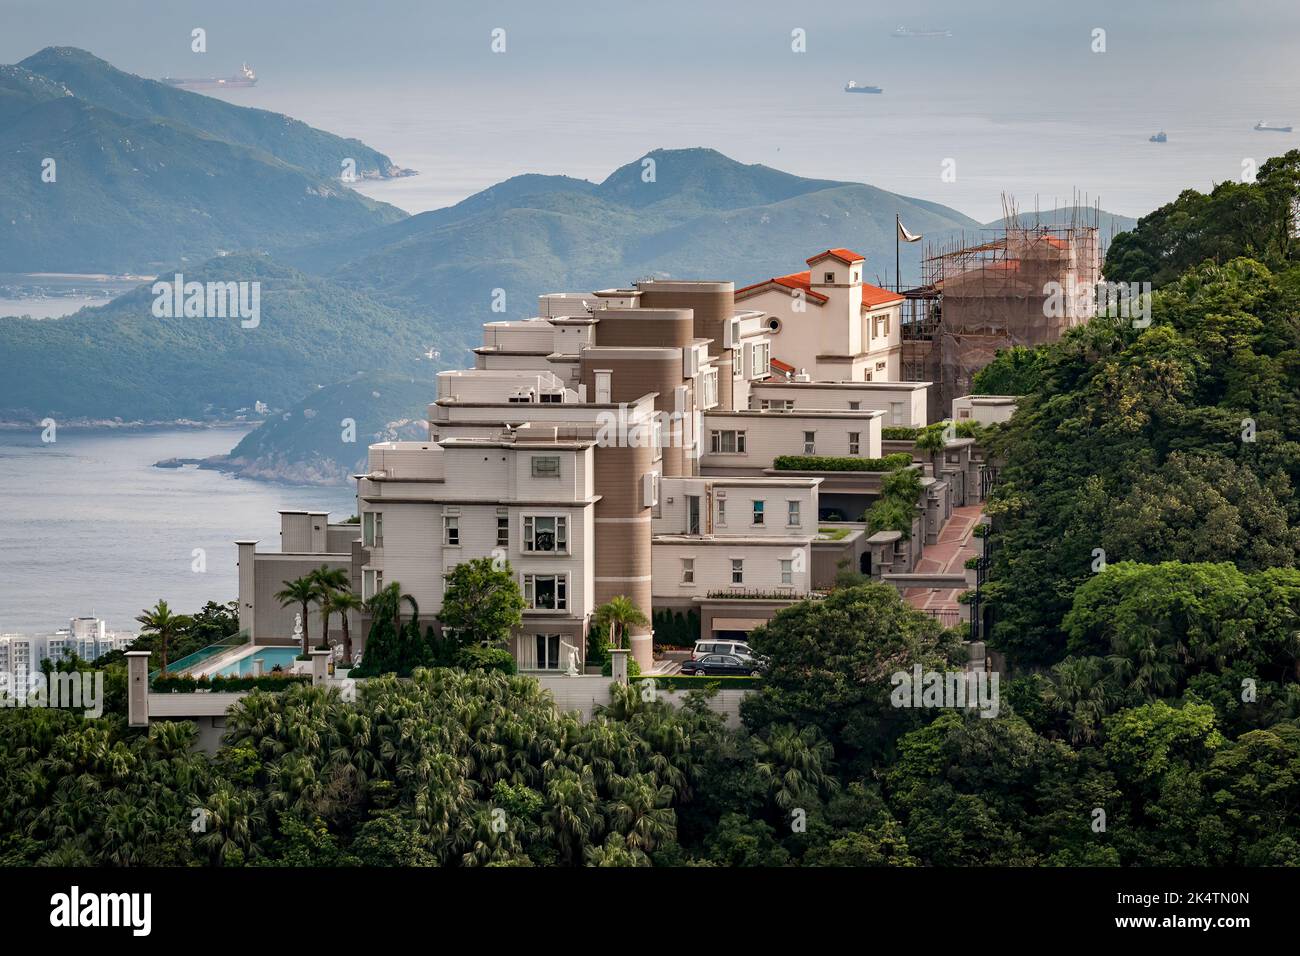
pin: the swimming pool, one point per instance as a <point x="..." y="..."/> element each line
<point x="269" y="656"/>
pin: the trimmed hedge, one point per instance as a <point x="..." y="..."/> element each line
<point x="675" y="629"/>
<point x="185" y="684"/>
<point x="899" y="433"/>
<point x="691" y="682"/>
<point x="831" y="463"/>
<point x="486" y="659"/>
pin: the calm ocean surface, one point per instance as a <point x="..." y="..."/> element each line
<point x="90" y="527"/>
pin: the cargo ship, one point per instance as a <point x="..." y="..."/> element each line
<point x="903" y="33"/>
<point x="245" y="77"/>
<point x="852" y="87"/>
<point x="1270" y="128"/>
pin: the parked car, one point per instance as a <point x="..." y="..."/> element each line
<point x="735" y="648"/>
<point x="723" y="665"/>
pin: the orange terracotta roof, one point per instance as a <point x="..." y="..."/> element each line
<point x="782" y="366"/>
<point x="795" y="280"/>
<point x="873" y="295"/>
<point x="844" y="255"/>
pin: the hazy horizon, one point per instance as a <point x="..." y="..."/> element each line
<point x="1016" y="96"/>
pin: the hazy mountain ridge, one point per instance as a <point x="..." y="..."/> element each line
<point x="89" y="189"/>
<point x="120" y="360"/>
<point x="101" y="84"/>
<point x="308" y="444"/>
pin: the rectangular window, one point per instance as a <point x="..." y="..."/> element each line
<point x="688" y="570"/>
<point x="451" y="531"/>
<point x="880" y="366"/>
<point x="546" y="592"/>
<point x="829" y="277"/>
<point x="604" y="387"/>
<point x="692" y="514"/>
<point x="810" y="443"/>
<point x="855" y="443"/>
<point x="546" y="533"/>
<point x="548" y="651"/>
<point x="758" y="511"/>
<point x="855" y="406"/>
<point x="503" y="531"/>
<point x="372" y="582"/>
<point x="372" y="529"/>
<point x="792" y="516"/>
<point x="787" y="571"/>
<point x="761" y="358"/>
<point x="722" y="511"/>
<point x="727" y="442"/>
<point x="546" y="466"/>
<point x="737" y="570"/>
<point x="552" y="398"/>
<point x="895" y="413"/>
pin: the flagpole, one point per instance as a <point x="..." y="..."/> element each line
<point x="898" y="278"/>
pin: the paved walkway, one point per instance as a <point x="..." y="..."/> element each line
<point x="956" y="543"/>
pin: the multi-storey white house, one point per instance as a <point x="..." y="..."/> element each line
<point x="611" y="445"/>
<point x="826" y="322"/>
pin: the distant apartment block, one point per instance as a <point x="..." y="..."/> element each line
<point x="86" y="637"/>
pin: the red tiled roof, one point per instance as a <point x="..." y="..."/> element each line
<point x="873" y="295"/>
<point x="844" y="255"/>
<point x="795" y="280"/>
<point x="782" y="366"/>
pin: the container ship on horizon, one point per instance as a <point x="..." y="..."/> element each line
<point x="245" y="77"/>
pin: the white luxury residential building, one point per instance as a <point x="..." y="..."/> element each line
<point x="626" y="442"/>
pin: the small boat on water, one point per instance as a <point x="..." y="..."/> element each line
<point x="1263" y="127"/>
<point x="852" y="87"/>
<point x="903" y="33"/>
<point x="1160" y="137"/>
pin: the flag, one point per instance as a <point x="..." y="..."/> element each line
<point x="903" y="234"/>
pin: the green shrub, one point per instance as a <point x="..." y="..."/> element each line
<point x="186" y="684"/>
<point x="832" y="463"/>
<point x="486" y="659"/>
<point x="675" y="629"/>
<point x="899" y="433"/>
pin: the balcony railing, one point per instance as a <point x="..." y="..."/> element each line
<point x="758" y="594"/>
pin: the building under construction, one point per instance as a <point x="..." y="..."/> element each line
<point x="1020" y="285"/>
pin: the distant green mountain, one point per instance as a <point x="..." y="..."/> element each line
<point x="1109" y="224"/>
<point x="703" y="215"/>
<point x="99" y="83"/>
<point x="122" y="361"/>
<point x="131" y="194"/>
<point x="309" y="443"/>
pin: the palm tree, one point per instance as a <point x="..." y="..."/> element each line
<point x="300" y="591"/>
<point x="160" y="620"/>
<point x="618" y="614"/>
<point x="933" y="440"/>
<point x="344" y="602"/>
<point x="328" y="582"/>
